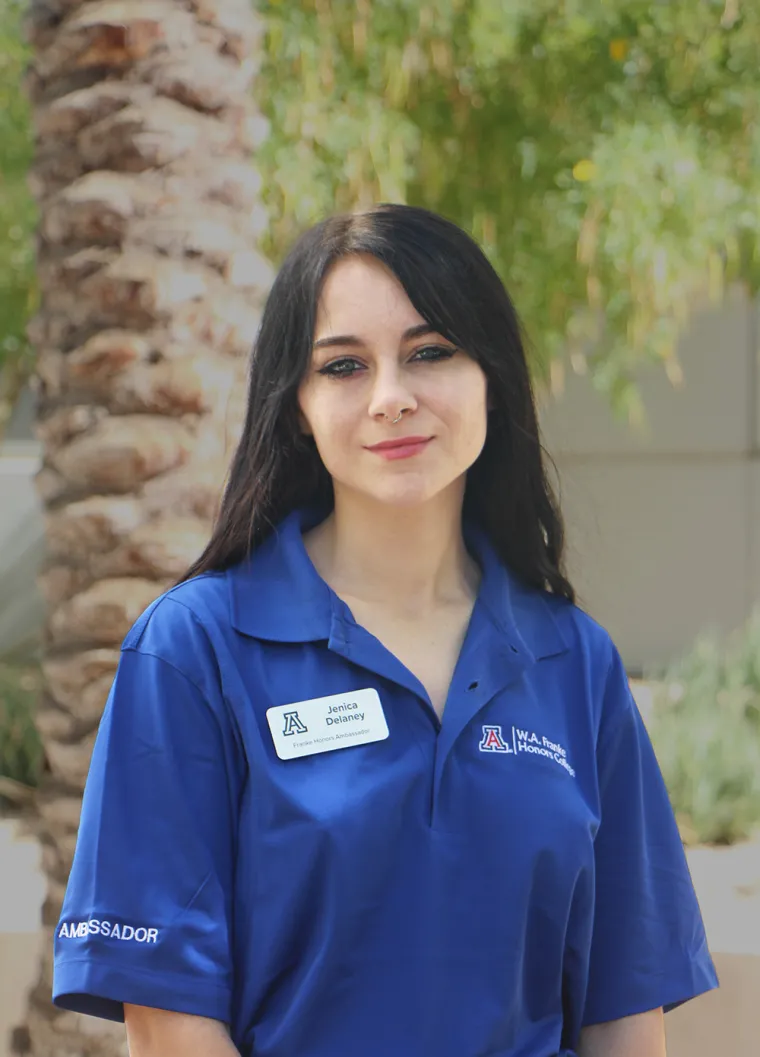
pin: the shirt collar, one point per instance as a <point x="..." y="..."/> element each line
<point x="524" y="615"/>
<point x="277" y="594"/>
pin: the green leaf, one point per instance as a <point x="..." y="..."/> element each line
<point x="482" y="110"/>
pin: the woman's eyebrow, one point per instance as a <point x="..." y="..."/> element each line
<point x="352" y="341"/>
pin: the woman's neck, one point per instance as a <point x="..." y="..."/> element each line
<point x="409" y="560"/>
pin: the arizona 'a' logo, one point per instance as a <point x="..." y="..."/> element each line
<point x="492" y="741"/>
<point x="293" y="724"/>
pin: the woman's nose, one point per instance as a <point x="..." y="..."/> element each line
<point x="390" y="396"/>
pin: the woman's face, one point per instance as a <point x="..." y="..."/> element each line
<point x="373" y="356"/>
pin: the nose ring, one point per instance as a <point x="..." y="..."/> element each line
<point x="393" y="421"/>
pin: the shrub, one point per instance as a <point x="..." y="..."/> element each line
<point x="705" y="726"/>
<point x="20" y="748"/>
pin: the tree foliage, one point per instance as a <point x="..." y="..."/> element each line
<point x="604" y="152"/>
<point x="17" y="211"/>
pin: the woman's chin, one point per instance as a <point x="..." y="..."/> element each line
<point x="403" y="494"/>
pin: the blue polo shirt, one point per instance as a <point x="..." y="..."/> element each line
<point x="484" y="885"/>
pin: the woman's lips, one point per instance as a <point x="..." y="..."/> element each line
<point x="400" y="448"/>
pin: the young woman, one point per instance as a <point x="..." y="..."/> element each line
<point x="368" y="783"/>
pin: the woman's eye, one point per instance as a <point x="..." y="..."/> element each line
<point x="434" y="352"/>
<point x="347" y="365"/>
<point x="340" y="368"/>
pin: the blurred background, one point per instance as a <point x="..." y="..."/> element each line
<point x="157" y="160"/>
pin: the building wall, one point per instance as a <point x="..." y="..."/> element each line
<point x="663" y="539"/>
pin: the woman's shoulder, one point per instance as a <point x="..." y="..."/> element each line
<point x="563" y="623"/>
<point x="184" y="622"/>
<point x="594" y="674"/>
<point x="584" y="631"/>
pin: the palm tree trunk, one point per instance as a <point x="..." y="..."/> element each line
<point x="151" y="289"/>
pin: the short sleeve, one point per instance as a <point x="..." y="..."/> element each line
<point x="648" y="945"/>
<point x="147" y="911"/>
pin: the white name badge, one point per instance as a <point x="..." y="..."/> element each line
<point x="326" y="723"/>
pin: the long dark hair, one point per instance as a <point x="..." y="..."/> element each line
<point x="450" y="282"/>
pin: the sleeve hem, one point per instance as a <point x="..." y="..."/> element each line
<point x="662" y="991"/>
<point x="99" y="989"/>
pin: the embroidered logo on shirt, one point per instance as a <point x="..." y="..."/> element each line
<point x="526" y="741"/>
<point x="492" y="740"/>
<point x="293" y="724"/>
<point x="94" y="927"/>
